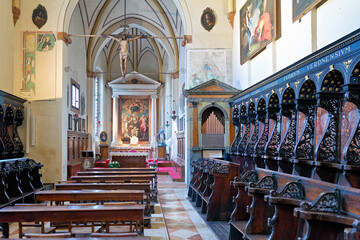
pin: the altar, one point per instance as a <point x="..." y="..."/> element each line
<point x="130" y="159"/>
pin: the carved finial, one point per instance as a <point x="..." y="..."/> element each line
<point x="273" y="91"/>
<point x="347" y="63"/>
<point x="280" y="90"/>
<point x="256" y="99"/>
<point x="307" y="77"/>
<point x="318" y="75"/>
<point x="267" y="95"/>
<point x="287" y="85"/>
<point x="297" y="83"/>
<point x="331" y="67"/>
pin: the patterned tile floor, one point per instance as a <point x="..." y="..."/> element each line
<point x="175" y="218"/>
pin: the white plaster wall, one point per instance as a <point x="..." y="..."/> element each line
<point x="47" y="105"/>
<point x="76" y="60"/>
<point x="216" y="38"/>
<point x="7" y="33"/>
<point x="295" y="40"/>
<point x="335" y="19"/>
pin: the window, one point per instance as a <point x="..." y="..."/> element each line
<point x="96" y="106"/>
<point x="75" y="96"/>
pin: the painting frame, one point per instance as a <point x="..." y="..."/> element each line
<point x="70" y="127"/>
<point x="305" y="6"/>
<point x="258" y="27"/>
<point x="39" y="16"/>
<point x="208" y="19"/>
<point x="135" y="118"/>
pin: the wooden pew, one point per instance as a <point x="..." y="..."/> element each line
<point x="121" y="169"/>
<point x="210" y="187"/>
<point x="103" y="173"/>
<point x="103" y="178"/>
<point x="71" y="213"/>
<point x="110" y="186"/>
<point x="300" y="191"/>
<point x="90" y="195"/>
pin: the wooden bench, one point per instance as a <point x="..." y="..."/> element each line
<point x="210" y="188"/>
<point x="296" y="191"/>
<point x="19" y="180"/>
<point x="121" y="169"/>
<point x="90" y="195"/>
<point x="72" y="214"/>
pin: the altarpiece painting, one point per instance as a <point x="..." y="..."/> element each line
<point x="134" y="119"/>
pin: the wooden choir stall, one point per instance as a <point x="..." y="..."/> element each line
<point x="294" y="165"/>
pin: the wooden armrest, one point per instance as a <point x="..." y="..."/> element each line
<point x="113" y="234"/>
<point x="119" y="203"/>
<point x="282" y="200"/>
<point x="324" y="216"/>
<point x="30" y="204"/>
<point x="49" y="235"/>
<point x="258" y="190"/>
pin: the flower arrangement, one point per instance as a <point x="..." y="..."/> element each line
<point x="114" y="164"/>
<point x="153" y="163"/>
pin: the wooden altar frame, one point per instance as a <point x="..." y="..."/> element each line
<point x="120" y="118"/>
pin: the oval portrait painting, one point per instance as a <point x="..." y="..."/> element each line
<point x="208" y="19"/>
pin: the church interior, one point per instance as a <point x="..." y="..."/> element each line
<point x="180" y="119"/>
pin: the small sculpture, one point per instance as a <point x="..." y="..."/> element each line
<point x="161" y="137"/>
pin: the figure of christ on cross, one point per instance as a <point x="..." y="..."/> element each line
<point x="124" y="49"/>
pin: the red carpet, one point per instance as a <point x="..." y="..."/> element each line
<point x="170" y="171"/>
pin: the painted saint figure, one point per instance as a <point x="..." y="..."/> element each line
<point x="124" y="50"/>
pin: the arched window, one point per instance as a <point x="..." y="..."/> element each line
<point x="96" y="106"/>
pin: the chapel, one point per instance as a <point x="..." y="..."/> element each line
<point x="180" y="119"/>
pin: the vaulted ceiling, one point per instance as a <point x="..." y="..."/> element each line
<point x="158" y="18"/>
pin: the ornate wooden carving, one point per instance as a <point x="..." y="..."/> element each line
<point x="288" y="144"/>
<point x="236" y="122"/>
<point x="222" y="169"/>
<point x="261" y="144"/>
<point x="18" y="146"/>
<point x="326" y="202"/>
<point x="291" y="190"/>
<point x="305" y="146"/>
<point x="249" y="176"/>
<point x="250" y="148"/>
<point x="242" y="144"/>
<point x="8" y="126"/>
<point x="267" y="182"/>
<point x="328" y="99"/>
<point x="352" y="152"/>
<point x="327" y="149"/>
<point x="2" y="146"/>
<point x="274" y="142"/>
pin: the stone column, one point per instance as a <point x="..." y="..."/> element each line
<point x="153" y="120"/>
<point x="115" y="134"/>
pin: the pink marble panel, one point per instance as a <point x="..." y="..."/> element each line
<point x="300" y="124"/>
<point x="321" y="121"/>
<point x="349" y="114"/>
<point x="285" y="126"/>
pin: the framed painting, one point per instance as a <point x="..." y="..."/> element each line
<point x="208" y="19"/>
<point x="135" y="118"/>
<point x="257" y="27"/>
<point x="70" y="122"/>
<point x="301" y="7"/>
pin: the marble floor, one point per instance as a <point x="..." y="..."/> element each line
<point x="175" y="217"/>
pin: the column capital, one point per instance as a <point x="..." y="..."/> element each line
<point x="153" y="96"/>
<point x="91" y="74"/>
<point x="194" y="104"/>
<point x="115" y="96"/>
